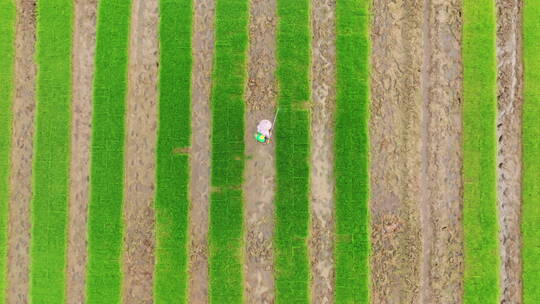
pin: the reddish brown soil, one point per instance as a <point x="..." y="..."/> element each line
<point x="259" y="185"/>
<point x="323" y="83"/>
<point x="510" y="99"/>
<point x="84" y="40"/>
<point x="21" y="154"/>
<point x="203" y="50"/>
<point x="139" y="240"/>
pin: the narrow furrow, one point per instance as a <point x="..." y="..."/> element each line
<point x="323" y="96"/>
<point x="259" y="181"/>
<point x="395" y="170"/>
<point x="201" y="124"/>
<point x="140" y="159"/>
<point x="22" y="154"/>
<point x="84" y="43"/>
<point x="509" y="165"/>
<point x="442" y="233"/>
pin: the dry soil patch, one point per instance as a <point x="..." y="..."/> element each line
<point x="139" y="239"/>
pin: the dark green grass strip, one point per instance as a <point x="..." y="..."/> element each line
<point x="531" y="152"/>
<point x="7" y="52"/>
<point x="226" y="208"/>
<point x="172" y="168"/>
<point x="479" y="152"/>
<point x="292" y="148"/>
<point x="351" y="152"/>
<point x="107" y="171"/>
<point x="51" y="150"/>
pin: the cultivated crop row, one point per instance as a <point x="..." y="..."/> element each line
<point x="531" y="152"/>
<point x="351" y="152"/>
<point x="226" y="207"/>
<point x="107" y="171"/>
<point x="479" y="151"/>
<point x="174" y="132"/>
<point x="292" y="152"/>
<point x="7" y="42"/>
<point x="51" y="151"/>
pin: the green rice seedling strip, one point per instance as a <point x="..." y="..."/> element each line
<point x="531" y="152"/>
<point x="292" y="148"/>
<point x="351" y="152"/>
<point x="7" y="55"/>
<point x="51" y="150"/>
<point x="107" y="168"/>
<point x="226" y="206"/>
<point x="481" y="283"/>
<point x="172" y="168"/>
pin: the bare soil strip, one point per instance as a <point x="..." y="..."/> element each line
<point x="199" y="187"/>
<point x="510" y="99"/>
<point x="442" y="232"/>
<point x="21" y="154"/>
<point x="84" y="44"/>
<point x="323" y="82"/>
<point x="139" y="242"/>
<point x="259" y="185"/>
<point x="395" y="135"/>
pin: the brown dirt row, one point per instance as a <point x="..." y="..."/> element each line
<point x="323" y="82"/>
<point x="441" y="204"/>
<point x="139" y="237"/>
<point x="260" y="173"/>
<point x="199" y="187"/>
<point x="510" y="99"/>
<point x="395" y="135"/>
<point x="21" y="154"/>
<point x="84" y="42"/>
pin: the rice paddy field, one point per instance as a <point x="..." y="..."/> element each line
<point x="402" y="164"/>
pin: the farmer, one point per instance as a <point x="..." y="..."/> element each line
<point x="263" y="130"/>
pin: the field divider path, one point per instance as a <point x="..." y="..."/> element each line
<point x="509" y="163"/>
<point x="84" y="44"/>
<point x="140" y="158"/>
<point x="395" y="151"/>
<point x="24" y="102"/>
<point x="259" y="181"/>
<point x="441" y="203"/>
<point x="200" y="151"/>
<point x="105" y="216"/>
<point x="322" y="202"/>
<point x="172" y="167"/>
<point x="8" y="13"/>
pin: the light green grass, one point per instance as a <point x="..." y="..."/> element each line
<point x="351" y="152"/>
<point x="226" y="207"/>
<point x="107" y="169"/>
<point x="481" y="281"/>
<point x="531" y="152"/>
<point x="172" y="168"/>
<point x="51" y="152"/>
<point x="292" y="153"/>
<point x="7" y="55"/>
